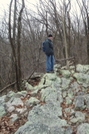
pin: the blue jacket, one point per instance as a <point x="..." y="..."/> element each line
<point x="49" y="47"/>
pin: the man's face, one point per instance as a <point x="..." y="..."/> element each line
<point x="51" y="38"/>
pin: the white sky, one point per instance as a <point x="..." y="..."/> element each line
<point x="4" y="5"/>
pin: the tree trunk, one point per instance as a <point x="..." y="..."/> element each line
<point x="13" y="37"/>
<point x="19" y="46"/>
<point x="88" y="38"/>
<point x="64" y="33"/>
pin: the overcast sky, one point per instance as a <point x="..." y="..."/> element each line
<point x="29" y="4"/>
<point x="5" y="3"/>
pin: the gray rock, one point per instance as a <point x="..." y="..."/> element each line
<point x="32" y="101"/>
<point x="50" y="76"/>
<point x="46" y="115"/>
<point x="10" y="105"/>
<point x="53" y="108"/>
<point x="51" y="117"/>
<point x="20" y="94"/>
<point x="68" y="131"/>
<point x="65" y="83"/>
<point x="79" y="117"/>
<point x="82" y="68"/>
<point x="14" y="117"/>
<point x="57" y="83"/>
<point x="2" y="111"/>
<point x="82" y="79"/>
<point x="64" y="94"/>
<point x="39" y="128"/>
<point x="83" y="129"/>
<point x="29" y="87"/>
<point x="57" y="67"/>
<point x="54" y="97"/>
<point x="10" y="94"/>
<point x="79" y="103"/>
<point x="2" y="100"/>
<point x="21" y="110"/>
<point x="71" y="94"/>
<point x="65" y="73"/>
<point x="68" y="101"/>
<point x="87" y="101"/>
<point x="46" y="92"/>
<point x="75" y="87"/>
<point x="56" y="130"/>
<point x="67" y="110"/>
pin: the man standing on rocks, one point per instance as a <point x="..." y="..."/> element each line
<point x="48" y="50"/>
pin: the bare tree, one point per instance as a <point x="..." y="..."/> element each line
<point x="83" y="5"/>
<point x="28" y="29"/>
<point x="15" y="38"/>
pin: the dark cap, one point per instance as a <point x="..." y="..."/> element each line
<point x="50" y="35"/>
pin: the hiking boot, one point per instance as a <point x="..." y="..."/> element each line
<point x="50" y="72"/>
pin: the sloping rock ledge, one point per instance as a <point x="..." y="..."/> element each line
<point x="59" y="104"/>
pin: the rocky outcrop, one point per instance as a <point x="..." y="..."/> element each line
<point x="59" y="104"/>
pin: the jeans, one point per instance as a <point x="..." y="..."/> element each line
<point x="49" y="63"/>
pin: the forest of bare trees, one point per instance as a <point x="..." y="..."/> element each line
<point x="23" y="30"/>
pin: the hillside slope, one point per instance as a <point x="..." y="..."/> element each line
<point x="57" y="104"/>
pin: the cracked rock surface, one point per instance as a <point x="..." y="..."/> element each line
<point x="58" y="104"/>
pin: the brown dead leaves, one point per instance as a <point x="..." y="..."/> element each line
<point x="8" y="127"/>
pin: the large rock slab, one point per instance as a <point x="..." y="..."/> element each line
<point x="57" y="105"/>
<point x="83" y="129"/>
<point x="48" y="114"/>
<point x="39" y="128"/>
<point x="43" y="120"/>
<point x="82" y="79"/>
<point x="82" y="68"/>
